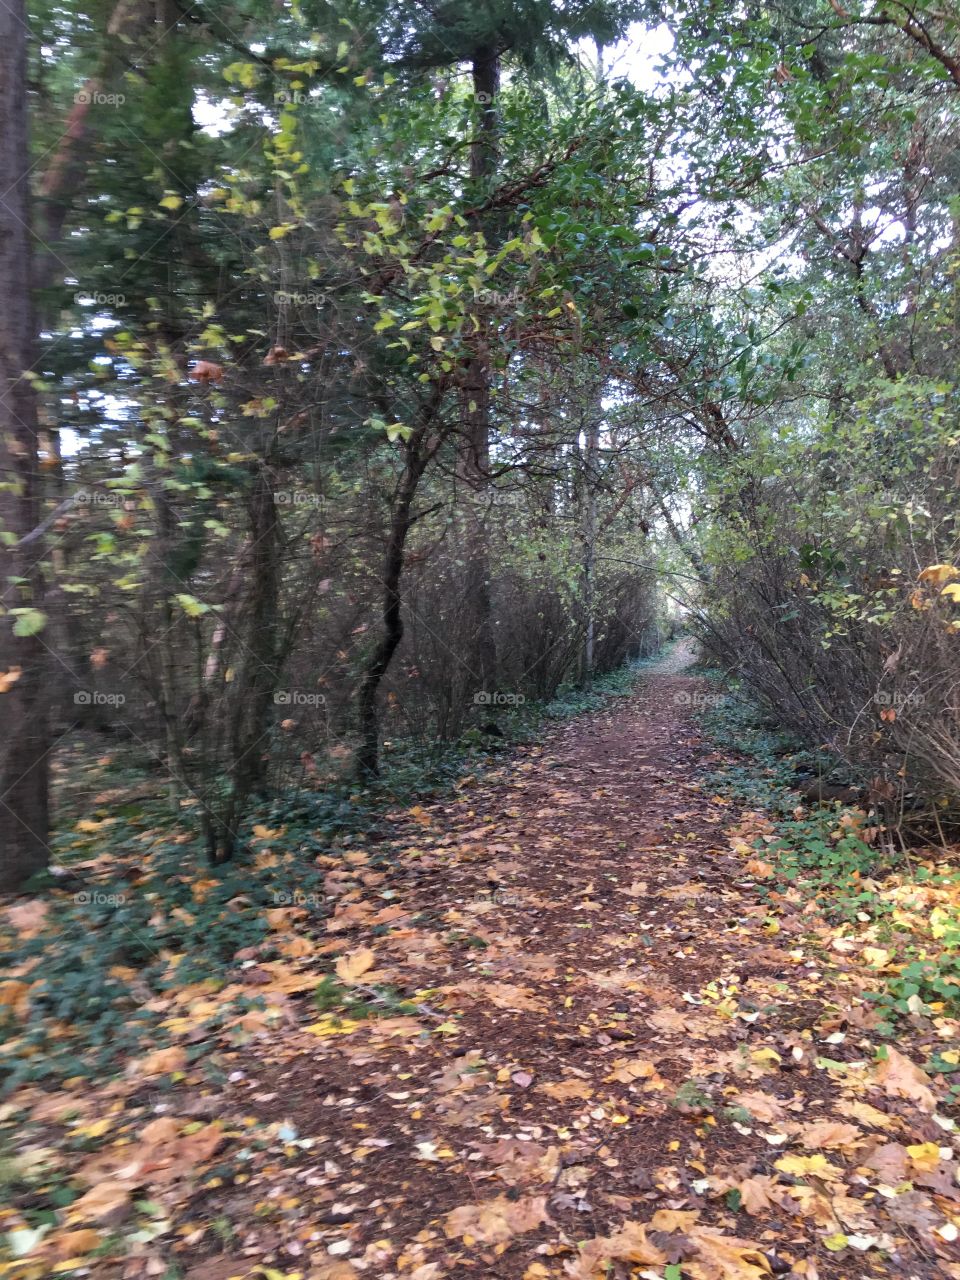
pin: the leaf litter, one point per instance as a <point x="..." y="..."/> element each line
<point x="560" y="1032"/>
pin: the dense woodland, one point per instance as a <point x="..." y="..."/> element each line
<point x="378" y="377"/>
<point x="381" y="361"/>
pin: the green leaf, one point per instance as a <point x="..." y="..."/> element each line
<point x="28" y="621"/>
<point x="191" y="606"/>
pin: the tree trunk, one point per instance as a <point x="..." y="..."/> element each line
<point x="591" y="458"/>
<point x="24" y="764"/>
<point x="368" y="757"/>
<point x="252" y="693"/>
<point x="474" y="461"/>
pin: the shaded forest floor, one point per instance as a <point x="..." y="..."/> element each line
<point x="571" y="1025"/>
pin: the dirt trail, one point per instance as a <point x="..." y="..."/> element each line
<point x="609" y="1028"/>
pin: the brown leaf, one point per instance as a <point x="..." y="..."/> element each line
<point x="827" y="1134"/>
<point x="889" y="1161"/>
<point x="354" y="964"/>
<point x="28" y="917"/>
<point x="902" y="1078"/>
<point x="15" y="996"/>
<point x="674" y="1219"/>
<point x="73" y="1244"/>
<point x="207" y="371"/>
<point x="629" y="1244"/>
<point x="762" y="1106"/>
<point x="722" y="1257"/>
<point x="564" y="1090"/>
<point x="758" y="1194"/>
<point x="630" y="1070"/>
<point x="159" y="1063"/>
<point x="496" y="1221"/>
<point x="100" y="1202"/>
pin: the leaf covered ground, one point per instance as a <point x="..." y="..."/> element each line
<point x="582" y="1018"/>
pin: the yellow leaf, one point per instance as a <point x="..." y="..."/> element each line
<point x="801" y="1166"/>
<point x="938" y="573"/>
<point x="836" y="1242"/>
<point x="925" y="1156"/>
<point x="768" y="1058"/>
<point x="171" y="202"/>
<point x="876" y="957"/>
<point x="332" y="1026"/>
<point x="88" y="825"/>
<point x="265" y="833"/>
<point x="952" y="592"/>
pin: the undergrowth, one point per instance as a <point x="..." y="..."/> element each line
<point x="836" y="858"/>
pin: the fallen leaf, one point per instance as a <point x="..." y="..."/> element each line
<point x="496" y="1221"/>
<point x="101" y="1201"/>
<point x="902" y="1078"/>
<point x="354" y="964"/>
<point x="564" y="1090"/>
<point x="829" y="1134"/>
<point x="159" y="1063"/>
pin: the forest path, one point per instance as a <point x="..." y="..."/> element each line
<point x="609" y="1029"/>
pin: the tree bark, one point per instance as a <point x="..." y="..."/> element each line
<point x="24" y="751"/>
<point x="252" y="693"/>
<point x="474" y="460"/>
<point x="591" y="459"/>
<point x="415" y="462"/>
